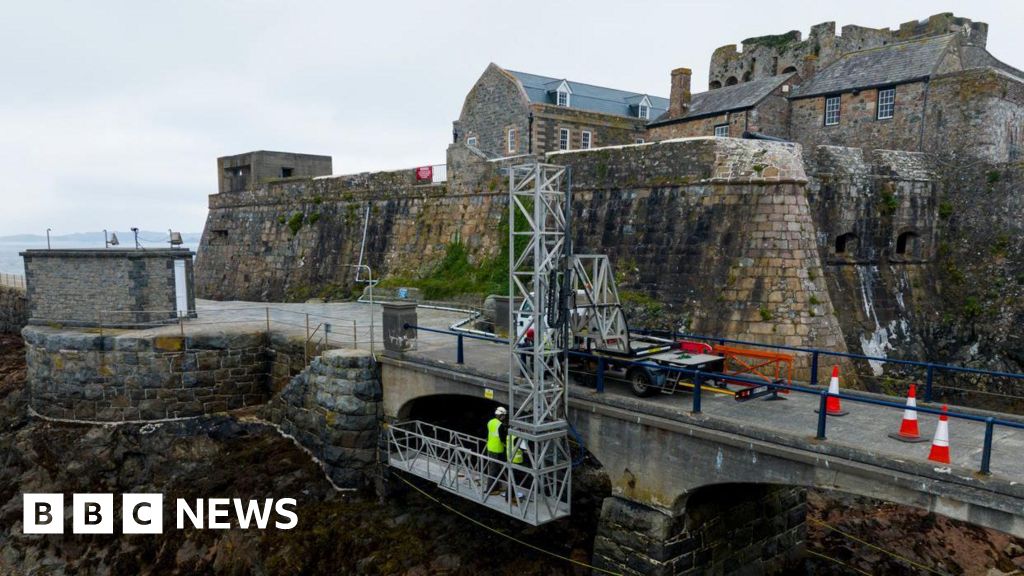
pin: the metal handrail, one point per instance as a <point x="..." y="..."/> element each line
<point x="697" y="375"/>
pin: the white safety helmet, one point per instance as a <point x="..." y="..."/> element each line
<point x="500" y="411"/>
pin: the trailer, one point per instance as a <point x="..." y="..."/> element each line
<point x="649" y="364"/>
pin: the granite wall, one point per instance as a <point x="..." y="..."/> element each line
<point x="96" y="377"/>
<point x="13" y="310"/>
<point x="723" y="529"/>
<point x="115" y="287"/>
<point x="332" y="408"/>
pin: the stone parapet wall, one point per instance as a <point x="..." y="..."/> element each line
<point x="93" y="377"/>
<point x="13" y="310"/>
<point x="333" y="409"/>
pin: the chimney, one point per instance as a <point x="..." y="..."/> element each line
<point x="679" y="96"/>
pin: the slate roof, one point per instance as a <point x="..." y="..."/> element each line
<point x="735" y="97"/>
<point x="892" y="64"/>
<point x="541" y="90"/>
<point x="978" y="57"/>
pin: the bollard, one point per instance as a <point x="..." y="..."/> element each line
<point x="822" y="413"/>
<point x="696" y="392"/>
<point x="814" y="368"/>
<point x="459" y="355"/>
<point x="600" y="374"/>
<point x="986" y="451"/>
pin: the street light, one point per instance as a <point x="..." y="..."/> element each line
<point x="368" y="281"/>
<point x="47" y="238"/>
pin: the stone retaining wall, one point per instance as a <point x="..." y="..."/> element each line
<point x="13" y="310"/>
<point x="88" y="376"/>
<point x="725" y="529"/>
<point x="332" y="409"/>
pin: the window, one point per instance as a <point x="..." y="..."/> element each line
<point x="722" y="130"/>
<point x="886" y="103"/>
<point x="287" y="172"/>
<point x="471" y="141"/>
<point x="831" y="110"/>
<point x="585" y="140"/>
<point x="638" y="141"/>
<point x="511" y="140"/>
<point x="643" y="111"/>
<point x="563" y="98"/>
<point x="563" y="139"/>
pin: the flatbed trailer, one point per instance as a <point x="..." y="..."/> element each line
<point x="652" y="366"/>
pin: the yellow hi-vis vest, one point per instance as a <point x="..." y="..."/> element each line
<point x="513" y="444"/>
<point x="495" y="445"/>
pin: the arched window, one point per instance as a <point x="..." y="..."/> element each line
<point x="789" y="69"/>
<point x="714" y="85"/>
<point x="731" y="81"/>
<point x="906" y="243"/>
<point x="846" y="243"/>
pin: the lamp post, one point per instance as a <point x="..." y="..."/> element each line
<point x="47" y="238"/>
<point x="369" y="281"/>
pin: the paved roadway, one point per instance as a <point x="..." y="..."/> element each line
<point x="866" y="427"/>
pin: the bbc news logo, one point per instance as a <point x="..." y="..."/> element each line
<point x="143" y="513"/>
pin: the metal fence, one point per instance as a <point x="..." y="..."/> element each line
<point x="12" y="280"/>
<point x="823" y="394"/>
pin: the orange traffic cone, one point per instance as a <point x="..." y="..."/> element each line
<point x="908" y="428"/>
<point x="940" y="445"/>
<point x="832" y="405"/>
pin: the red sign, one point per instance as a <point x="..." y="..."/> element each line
<point x="425" y="173"/>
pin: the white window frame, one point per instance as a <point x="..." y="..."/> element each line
<point x="511" y="140"/>
<point x="564" y="135"/>
<point x="471" y="141"/>
<point x="586" y="140"/>
<point x="562" y="94"/>
<point x="832" y="112"/>
<point x="639" y="141"/>
<point x="722" y="127"/>
<point x="886" y="103"/>
<point x="644" y="111"/>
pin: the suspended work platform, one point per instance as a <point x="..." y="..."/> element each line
<point x="458" y="463"/>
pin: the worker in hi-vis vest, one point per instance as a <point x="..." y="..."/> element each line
<point x="514" y="454"/>
<point x="496" y="450"/>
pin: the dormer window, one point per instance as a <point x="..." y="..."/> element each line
<point x="643" y="110"/>
<point x="563" y="94"/>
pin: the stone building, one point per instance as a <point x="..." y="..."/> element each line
<point x="508" y="113"/>
<point x="243" y="171"/>
<point x="928" y="86"/>
<point x="758" y="106"/>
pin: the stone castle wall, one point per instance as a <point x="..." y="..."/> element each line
<point x="13" y="310"/>
<point x="297" y="239"/>
<point x="765" y="56"/>
<point x="718" y="231"/>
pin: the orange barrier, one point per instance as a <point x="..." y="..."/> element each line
<point x="762" y="364"/>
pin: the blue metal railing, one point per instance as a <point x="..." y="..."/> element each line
<point x="930" y="367"/>
<point x="698" y="376"/>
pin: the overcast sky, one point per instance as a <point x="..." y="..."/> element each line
<point x="112" y="114"/>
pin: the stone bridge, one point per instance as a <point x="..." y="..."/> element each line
<point x="724" y="488"/>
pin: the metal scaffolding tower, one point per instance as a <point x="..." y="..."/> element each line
<point x="538" y="367"/>
<point x="534" y="483"/>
